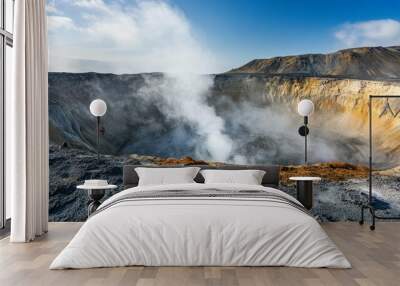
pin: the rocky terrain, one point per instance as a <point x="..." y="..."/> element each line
<point x="369" y="63"/>
<point x="255" y="107"/>
<point x="69" y="167"/>
<point x="337" y="197"/>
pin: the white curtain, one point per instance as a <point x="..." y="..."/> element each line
<point x="27" y="124"/>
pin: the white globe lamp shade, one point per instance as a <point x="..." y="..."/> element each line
<point x="98" y="107"/>
<point x="305" y="107"/>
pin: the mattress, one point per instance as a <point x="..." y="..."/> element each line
<point x="201" y="225"/>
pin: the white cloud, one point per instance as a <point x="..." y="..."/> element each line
<point x="146" y="36"/>
<point x="385" y="32"/>
<point x="98" y="5"/>
<point x="52" y="8"/>
<point x="59" y="23"/>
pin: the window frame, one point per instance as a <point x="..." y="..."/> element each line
<point x="6" y="39"/>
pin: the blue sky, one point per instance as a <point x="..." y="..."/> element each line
<point x="261" y="28"/>
<point x="211" y="35"/>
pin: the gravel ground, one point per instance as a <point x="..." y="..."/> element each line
<point x="340" y="201"/>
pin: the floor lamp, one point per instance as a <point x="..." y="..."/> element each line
<point x="370" y="205"/>
<point x="98" y="108"/>
<point x="305" y="108"/>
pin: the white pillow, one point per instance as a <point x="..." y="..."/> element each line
<point x="165" y="176"/>
<point x="247" y="177"/>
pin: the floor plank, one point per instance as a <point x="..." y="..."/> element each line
<point x="375" y="257"/>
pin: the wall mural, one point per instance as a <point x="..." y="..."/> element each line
<point x="183" y="114"/>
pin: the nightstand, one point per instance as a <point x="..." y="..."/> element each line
<point x="305" y="190"/>
<point x="95" y="193"/>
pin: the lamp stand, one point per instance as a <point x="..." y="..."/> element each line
<point x="305" y="139"/>
<point x="303" y="131"/>
<point x="98" y="137"/>
<point x="370" y="205"/>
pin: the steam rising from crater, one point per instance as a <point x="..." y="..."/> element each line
<point x="182" y="97"/>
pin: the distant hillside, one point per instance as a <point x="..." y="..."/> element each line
<point x="371" y="63"/>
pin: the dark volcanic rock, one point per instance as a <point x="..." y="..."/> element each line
<point x="341" y="200"/>
<point x="70" y="167"/>
<point x="333" y="200"/>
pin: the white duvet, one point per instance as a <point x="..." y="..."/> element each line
<point x="193" y="231"/>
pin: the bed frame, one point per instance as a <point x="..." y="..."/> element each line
<point x="270" y="179"/>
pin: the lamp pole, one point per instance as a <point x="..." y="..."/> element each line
<point x="98" y="137"/>
<point x="305" y="108"/>
<point x="305" y="138"/>
<point x="98" y="108"/>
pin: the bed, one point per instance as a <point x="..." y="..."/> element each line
<point x="197" y="224"/>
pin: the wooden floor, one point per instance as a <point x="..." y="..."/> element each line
<point x="375" y="257"/>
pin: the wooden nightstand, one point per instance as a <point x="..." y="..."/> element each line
<point x="305" y="190"/>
